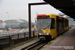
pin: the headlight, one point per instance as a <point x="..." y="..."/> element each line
<point x="39" y="33"/>
<point x="47" y="33"/>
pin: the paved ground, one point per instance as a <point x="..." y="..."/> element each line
<point x="63" y="42"/>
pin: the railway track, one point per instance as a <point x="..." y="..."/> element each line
<point x="35" y="46"/>
<point x="38" y="46"/>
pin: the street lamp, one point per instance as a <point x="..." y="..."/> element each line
<point x="8" y="18"/>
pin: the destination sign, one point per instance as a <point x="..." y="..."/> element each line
<point x="43" y="16"/>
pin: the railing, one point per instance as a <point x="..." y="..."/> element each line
<point x="13" y="32"/>
<point x="10" y="38"/>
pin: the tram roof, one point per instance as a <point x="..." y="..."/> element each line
<point x="66" y="6"/>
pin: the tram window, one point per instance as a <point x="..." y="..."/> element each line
<point x="53" y="24"/>
<point x="66" y="23"/>
<point x="62" y="23"/>
<point x="59" y="24"/>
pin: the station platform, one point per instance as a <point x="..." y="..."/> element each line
<point x="63" y="42"/>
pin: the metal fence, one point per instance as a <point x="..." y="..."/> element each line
<point x="10" y="38"/>
<point x="13" y="32"/>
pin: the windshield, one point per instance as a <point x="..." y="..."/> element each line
<point x="43" y="23"/>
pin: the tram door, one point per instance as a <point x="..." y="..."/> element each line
<point x="53" y="28"/>
<point x="60" y="26"/>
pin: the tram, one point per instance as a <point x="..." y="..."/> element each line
<point x="49" y="26"/>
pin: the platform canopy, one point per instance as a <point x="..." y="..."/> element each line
<point x="66" y="6"/>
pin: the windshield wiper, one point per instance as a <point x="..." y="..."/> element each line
<point x="47" y="26"/>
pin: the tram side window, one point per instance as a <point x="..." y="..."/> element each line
<point x="62" y="22"/>
<point x="66" y="23"/>
<point x="59" y="24"/>
<point x="53" y="24"/>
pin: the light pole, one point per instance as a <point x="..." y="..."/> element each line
<point x="8" y="18"/>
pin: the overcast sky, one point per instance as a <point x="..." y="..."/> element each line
<point x="19" y="9"/>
